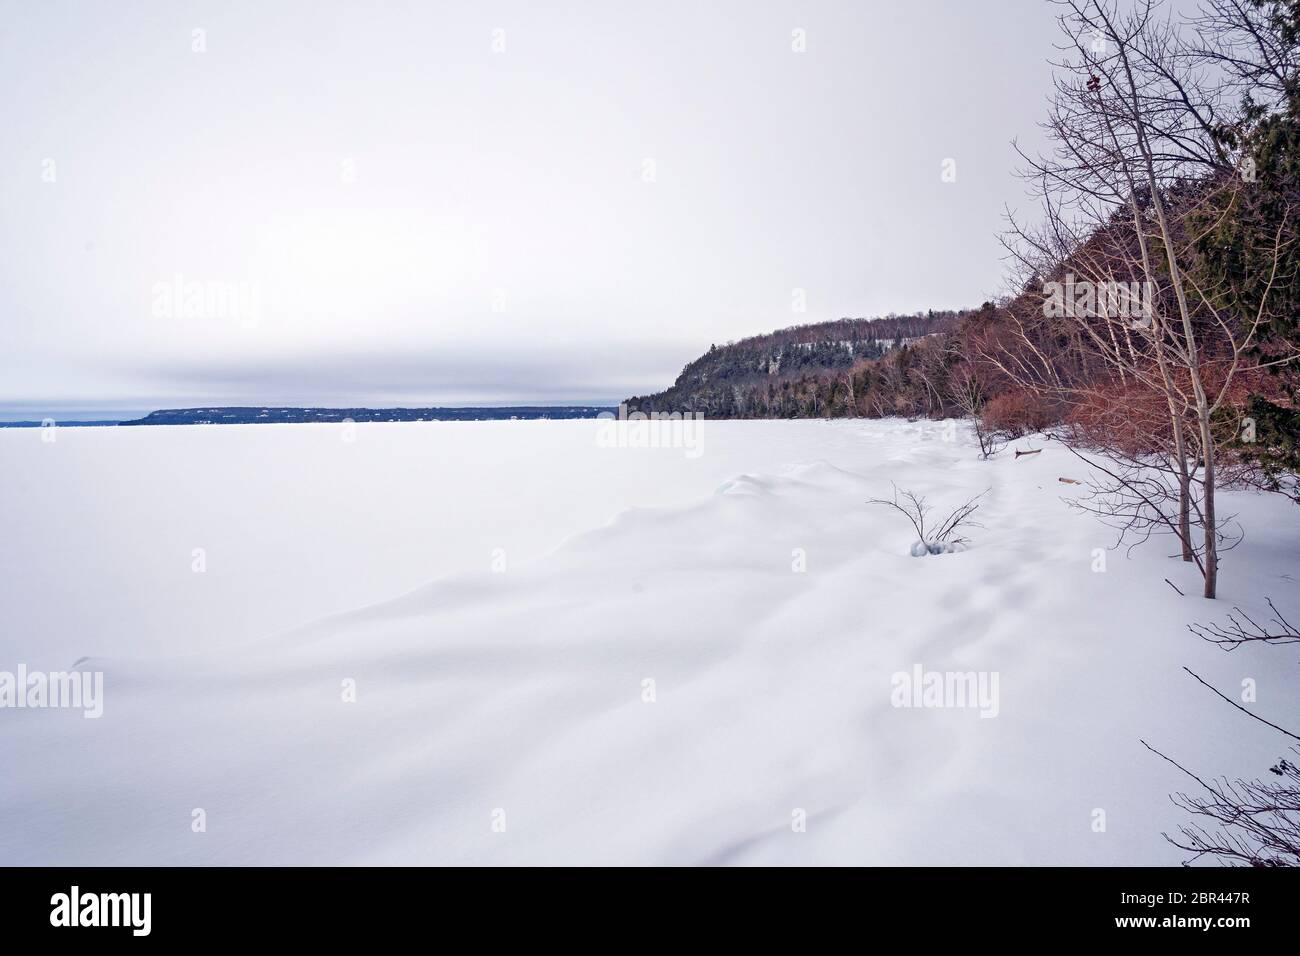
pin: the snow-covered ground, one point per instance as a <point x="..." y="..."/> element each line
<point x="568" y="653"/>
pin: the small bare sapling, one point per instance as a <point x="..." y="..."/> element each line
<point x="945" y="537"/>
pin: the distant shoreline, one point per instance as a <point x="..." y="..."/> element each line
<point x="263" y="415"/>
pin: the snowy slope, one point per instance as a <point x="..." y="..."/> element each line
<point x="518" y="696"/>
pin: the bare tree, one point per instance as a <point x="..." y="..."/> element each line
<point x="1139" y="163"/>
<point x="968" y="394"/>
<point x="1243" y="629"/>
<point x="1247" y="822"/>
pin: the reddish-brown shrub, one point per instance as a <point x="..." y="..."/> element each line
<point x="1018" y="412"/>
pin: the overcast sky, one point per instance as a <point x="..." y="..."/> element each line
<point x="483" y="202"/>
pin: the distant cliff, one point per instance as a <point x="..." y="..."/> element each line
<point x="798" y="372"/>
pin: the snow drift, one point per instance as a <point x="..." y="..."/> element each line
<point x="708" y="681"/>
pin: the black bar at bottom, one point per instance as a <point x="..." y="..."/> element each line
<point x="335" y="906"/>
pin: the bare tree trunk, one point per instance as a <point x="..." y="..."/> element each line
<point x="1211" y="560"/>
<point x="1158" y="340"/>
